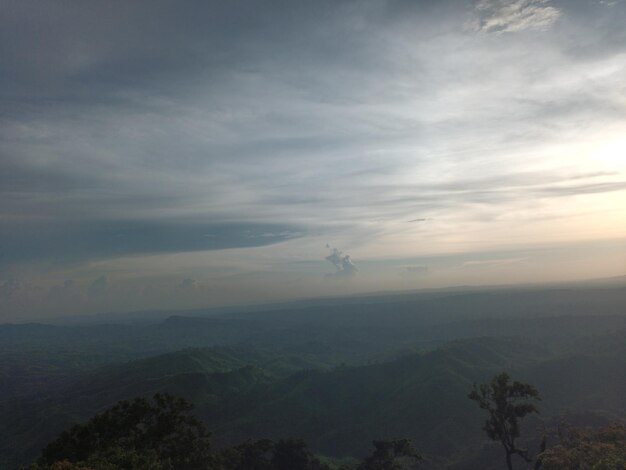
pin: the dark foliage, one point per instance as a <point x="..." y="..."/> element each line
<point x="390" y="455"/>
<point x="265" y="454"/>
<point x="251" y="455"/>
<point x="293" y="453"/>
<point x="137" y="433"/>
<point x="162" y="434"/>
<point x="580" y="448"/>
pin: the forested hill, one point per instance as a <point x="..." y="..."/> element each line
<point x="338" y="379"/>
<point x="341" y="410"/>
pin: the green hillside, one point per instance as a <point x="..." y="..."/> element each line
<point x="338" y="376"/>
<point x="340" y="411"/>
<point x="422" y="397"/>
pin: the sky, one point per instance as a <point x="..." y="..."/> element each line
<point x="160" y="154"/>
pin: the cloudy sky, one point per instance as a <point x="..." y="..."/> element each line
<point x="162" y="154"/>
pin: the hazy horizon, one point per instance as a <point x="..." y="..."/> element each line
<point x="167" y="155"/>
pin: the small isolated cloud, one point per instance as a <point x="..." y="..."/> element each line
<point x="98" y="287"/>
<point x="508" y="16"/>
<point x="189" y="283"/>
<point x="344" y="266"/>
<point x="415" y="271"/>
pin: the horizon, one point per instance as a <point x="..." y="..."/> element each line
<point x="208" y="155"/>
<point x="388" y="296"/>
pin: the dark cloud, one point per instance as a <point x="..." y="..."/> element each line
<point x="589" y="28"/>
<point x="79" y="241"/>
<point x="98" y="46"/>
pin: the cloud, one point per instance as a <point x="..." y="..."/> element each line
<point x="502" y="191"/>
<point x="252" y="134"/>
<point x="597" y="188"/>
<point x="189" y="283"/>
<point x="507" y="16"/>
<point x="98" y="287"/>
<point x="344" y="266"/>
<point x="11" y="288"/>
<point x="231" y="92"/>
<point x="492" y="262"/>
<point x="415" y="271"/>
<point x="82" y="240"/>
<point x="60" y="292"/>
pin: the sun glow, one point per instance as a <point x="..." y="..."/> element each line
<point x="611" y="153"/>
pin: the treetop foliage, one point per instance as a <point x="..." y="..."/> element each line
<point x="506" y="404"/>
<point x="390" y="455"/>
<point x="581" y="449"/>
<point x="162" y="434"/>
<point x="138" y="433"/>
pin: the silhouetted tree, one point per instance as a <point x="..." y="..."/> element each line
<point x="290" y="454"/>
<point x="506" y="404"/>
<point x="137" y="433"/>
<point x="162" y="434"/>
<point x="388" y="455"/>
<point x="250" y="455"/>
<point x="286" y="454"/>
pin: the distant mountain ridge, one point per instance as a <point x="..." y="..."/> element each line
<point x="336" y="375"/>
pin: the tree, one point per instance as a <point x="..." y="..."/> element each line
<point x="579" y="448"/>
<point x="136" y="434"/>
<point x="506" y="404"/>
<point x="388" y="455"/>
<point x="250" y="455"/>
<point x="293" y="453"/>
<point x="286" y="454"/>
